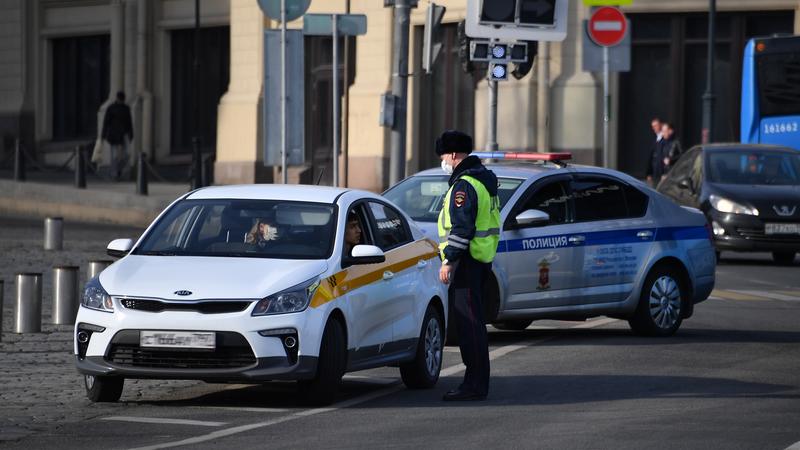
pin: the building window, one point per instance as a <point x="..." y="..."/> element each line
<point x="80" y="85"/>
<point x="214" y="74"/>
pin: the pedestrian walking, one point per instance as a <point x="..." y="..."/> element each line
<point x="672" y="146"/>
<point x="654" y="168"/>
<point x="469" y="230"/>
<point x="117" y="131"/>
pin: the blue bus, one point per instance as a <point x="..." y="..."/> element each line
<point x="771" y="91"/>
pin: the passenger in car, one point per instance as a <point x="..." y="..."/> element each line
<point x="352" y="233"/>
<point x="261" y="233"/>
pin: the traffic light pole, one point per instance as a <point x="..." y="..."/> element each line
<point x="606" y="106"/>
<point x="397" y="157"/>
<point x="284" y="174"/>
<point x="491" y="138"/>
<point x="708" y="96"/>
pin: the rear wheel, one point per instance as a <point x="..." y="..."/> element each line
<point x="512" y="325"/>
<point x="322" y="389"/>
<point x="103" y="389"/>
<point x="423" y="371"/>
<point x="783" y="258"/>
<point x="659" y="310"/>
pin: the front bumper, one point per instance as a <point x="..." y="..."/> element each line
<point x="746" y="233"/>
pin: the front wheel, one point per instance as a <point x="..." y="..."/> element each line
<point x="659" y="310"/>
<point x="322" y="389"/>
<point x="103" y="389"/>
<point x="423" y="371"/>
<point x="783" y="258"/>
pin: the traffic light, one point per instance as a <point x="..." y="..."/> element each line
<point x="522" y="68"/>
<point x="518" y="12"/>
<point x="510" y="20"/>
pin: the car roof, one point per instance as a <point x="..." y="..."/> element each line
<point x="747" y="147"/>
<point x="288" y="192"/>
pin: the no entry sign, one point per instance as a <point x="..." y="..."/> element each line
<point x="607" y="26"/>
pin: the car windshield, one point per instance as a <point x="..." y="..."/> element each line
<point x="243" y="228"/>
<point x="754" y="167"/>
<point x="421" y="197"/>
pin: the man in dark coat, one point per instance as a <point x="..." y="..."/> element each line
<point x="117" y="126"/>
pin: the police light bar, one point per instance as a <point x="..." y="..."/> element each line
<point x="525" y="156"/>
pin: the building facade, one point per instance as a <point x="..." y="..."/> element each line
<point x="61" y="61"/>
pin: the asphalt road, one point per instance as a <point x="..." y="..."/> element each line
<point x="729" y="379"/>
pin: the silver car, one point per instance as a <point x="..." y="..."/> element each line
<point x="578" y="242"/>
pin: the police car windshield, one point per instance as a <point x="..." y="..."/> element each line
<point x="754" y="167"/>
<point x="421" y="197"/>
<point x="243" y="228"/>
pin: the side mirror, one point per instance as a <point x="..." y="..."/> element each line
<point x="686" y="183"/>
<point x="119" y="247"/>
<point x="365" y="254"/>
<point x="532" y="217"/>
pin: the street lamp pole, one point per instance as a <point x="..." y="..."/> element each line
<point x="708" y="96"/>
<point x="196" y="157"/>
<point x="397" y="157"/>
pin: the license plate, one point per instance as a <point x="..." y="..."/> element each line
<point x="782" y="228"/>
<point x="177" y="339"/>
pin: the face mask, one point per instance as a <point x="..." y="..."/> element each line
<point x="448" y="169"/>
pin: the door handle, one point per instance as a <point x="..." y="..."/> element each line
<point x="576" y="239"/>
<point x="644" y="234"/>
<point x="421" y="264"/>
<point x="388" y="275"/>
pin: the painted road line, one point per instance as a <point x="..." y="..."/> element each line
<point x="164" y="421"/>
<point x="770" y="295"/>
<point x="245" y="409"/>
<point x="734" y="295"/>
<point x="795" y="446"/>
<point x="494" y="354"/>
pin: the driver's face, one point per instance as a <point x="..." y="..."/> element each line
<point x="352" y="234"/>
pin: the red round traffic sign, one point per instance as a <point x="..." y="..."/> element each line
<point x="607" y="26"/>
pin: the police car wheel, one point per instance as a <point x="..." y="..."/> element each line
<point x="783" y="258"/>
<point x="423" y="371"/>
<point x="659" y="310"/>
<point x="512" y="325"/>
<point x="322" y="389"/>
<point x="103" y="389"/>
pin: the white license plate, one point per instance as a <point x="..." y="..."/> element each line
<point x="177" y="339"/>
<point x="782" y="228"/>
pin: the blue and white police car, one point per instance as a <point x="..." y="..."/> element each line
<point x="578" y="242"/>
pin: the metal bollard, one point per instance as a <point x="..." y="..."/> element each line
<point x="65" y="294"/>
<point x="80" y="168"/>
<point x="28" y="314"/>
<point x="141" y="175"/>
<point x="19" y="162"/>
<point x="53" y="233"/>
<point x="95" y="267"/>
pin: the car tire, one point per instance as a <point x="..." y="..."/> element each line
<point x="322" y="389"/>
<point x="423" y="371"/>
<point x="103" y="388"/>
<point x="660" y="304"/>
<point x="783" y="258"/>
<point x="512" y="325"/>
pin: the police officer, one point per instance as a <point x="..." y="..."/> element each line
<point x="469" y="229"/>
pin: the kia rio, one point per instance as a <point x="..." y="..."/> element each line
<point x="266" y="282"/>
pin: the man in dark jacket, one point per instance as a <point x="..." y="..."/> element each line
<point x="469" y="230"/>
<point x="117" y="126"/>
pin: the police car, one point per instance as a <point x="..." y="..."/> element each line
<point x="259" y="282"/>
<point x="578" y="242"/>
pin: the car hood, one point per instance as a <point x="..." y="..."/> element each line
<point x="205" y="277"/>
<point x="768" y="199"/>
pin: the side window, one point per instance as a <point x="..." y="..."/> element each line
<point x="637" y="201"/>
<point x="598" y="199"/>
<point x="683" y="167"/>
<point x="356" y="231"/>
<point x="551" y="198"/>
<point x="388" y="227"/>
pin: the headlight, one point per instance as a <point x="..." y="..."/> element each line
<point x="294" y="299"/>
<point x="95" y="297"/>
<point x="727" y="206"/>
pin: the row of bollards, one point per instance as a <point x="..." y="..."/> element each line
<point x="66" y="297"/>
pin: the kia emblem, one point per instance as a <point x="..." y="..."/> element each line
<point x="183" y="292"/>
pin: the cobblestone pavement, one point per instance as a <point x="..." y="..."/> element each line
<point x="39" y="386"/>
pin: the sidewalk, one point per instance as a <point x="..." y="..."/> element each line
<point x="53" y="194"/>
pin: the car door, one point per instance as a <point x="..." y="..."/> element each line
<point x="682" y="184"/>
<point x="616" y="236"/>
<point x="401" y="276"/>
<point x="538" y="260"/>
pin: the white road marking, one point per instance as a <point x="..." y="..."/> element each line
<point x="246" y="409"/>
<point x="795" y="446"/>
<point x="164" y="421"/>
<point x="770" y="295"/>
<point x="452" y="370"/>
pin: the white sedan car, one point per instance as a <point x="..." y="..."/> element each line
<point x="259" y="282"/>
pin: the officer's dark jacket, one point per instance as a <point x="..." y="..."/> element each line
<point x="464" y="206"/>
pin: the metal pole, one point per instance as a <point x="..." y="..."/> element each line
<point x="284" y="149"/>
<point x="141" y="175"/>
<point x="19" y="162"/>
<point x="397" y="157"/>
<point x="53" y="233"/>
<point x="335" y="103"/>
<point x="65" y="294"/>
<point x="197" y="181"/>
<point x="543" y="97"/>
<point x="80" y="168"/>
<point x="2" y="290"/>
<point x="491" y="137"/>
<point x="606" y="107"/>
<point x="28" y="314"/>
<point x="346" y="105"/>
<point x="95" y="267"/>
<point x="708" y="96"/>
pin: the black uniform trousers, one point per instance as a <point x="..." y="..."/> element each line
<point x="466" y="301"/>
